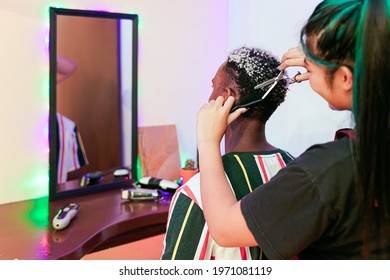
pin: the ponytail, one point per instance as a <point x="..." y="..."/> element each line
<point x="371" y="109"/>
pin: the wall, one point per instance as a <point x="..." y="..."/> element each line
<point x="180" y="45"/>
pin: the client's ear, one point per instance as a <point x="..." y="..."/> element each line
<point x="229" y="92"/>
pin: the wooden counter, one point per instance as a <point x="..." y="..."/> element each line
<point x="104" y="221"/>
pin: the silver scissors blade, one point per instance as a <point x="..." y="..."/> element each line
<point x="271" y="81"/>
<point x="269" y="90"/>
<point x="279" y="77"/>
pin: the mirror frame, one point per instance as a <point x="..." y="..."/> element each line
<point x="53" y="193"/>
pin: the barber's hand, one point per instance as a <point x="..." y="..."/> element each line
<point x="294" y="57"/>
<point x="213" y="119"/>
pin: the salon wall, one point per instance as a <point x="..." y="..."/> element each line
<point x="304" y="118"/>
<point x="180" y="45"/>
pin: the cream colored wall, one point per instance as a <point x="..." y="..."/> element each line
<point x="181" y="43"/>
<point x="24" y="105"/>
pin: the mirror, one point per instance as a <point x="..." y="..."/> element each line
<point x="93" y="101"/>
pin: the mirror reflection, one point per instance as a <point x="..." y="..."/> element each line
<point x="93" y="118"/>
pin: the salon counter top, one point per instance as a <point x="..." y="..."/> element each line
<point x="103" y="221"/>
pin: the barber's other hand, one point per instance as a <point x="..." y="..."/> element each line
<point x="294" y="57"/>
<point x="213" y="119"/>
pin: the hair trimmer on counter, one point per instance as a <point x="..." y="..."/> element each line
<point x="156" y="183"/>
<point x="140" y="194"/>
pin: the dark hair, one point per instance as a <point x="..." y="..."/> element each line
<point x="356" y="33"/>
<point x="248" y="67"/>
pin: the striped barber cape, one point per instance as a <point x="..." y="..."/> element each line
<point x="187" y="236"/>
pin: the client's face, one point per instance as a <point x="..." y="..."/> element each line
<point x="218" y="83"/>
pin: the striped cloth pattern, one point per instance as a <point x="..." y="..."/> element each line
<point x="70" y="149"/>
<point x="187" y="236"/>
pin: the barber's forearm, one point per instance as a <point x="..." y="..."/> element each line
<point x="217" y="197"/>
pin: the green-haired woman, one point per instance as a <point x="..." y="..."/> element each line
<point x="332" y="202"/>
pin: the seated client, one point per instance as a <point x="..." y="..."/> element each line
<point x="248" y="158"/>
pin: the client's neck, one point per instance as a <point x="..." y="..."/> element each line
<point x="245" y="135"/>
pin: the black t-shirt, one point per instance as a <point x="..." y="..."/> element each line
<point x="311" y="208"/>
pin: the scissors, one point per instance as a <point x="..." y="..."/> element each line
<point x="275" y="80"/>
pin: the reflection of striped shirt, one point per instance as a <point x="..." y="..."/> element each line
<point x="70" y="153"/>
<point x="187" y="235"/>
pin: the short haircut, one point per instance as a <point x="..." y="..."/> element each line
<point x="247" y="67"/>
